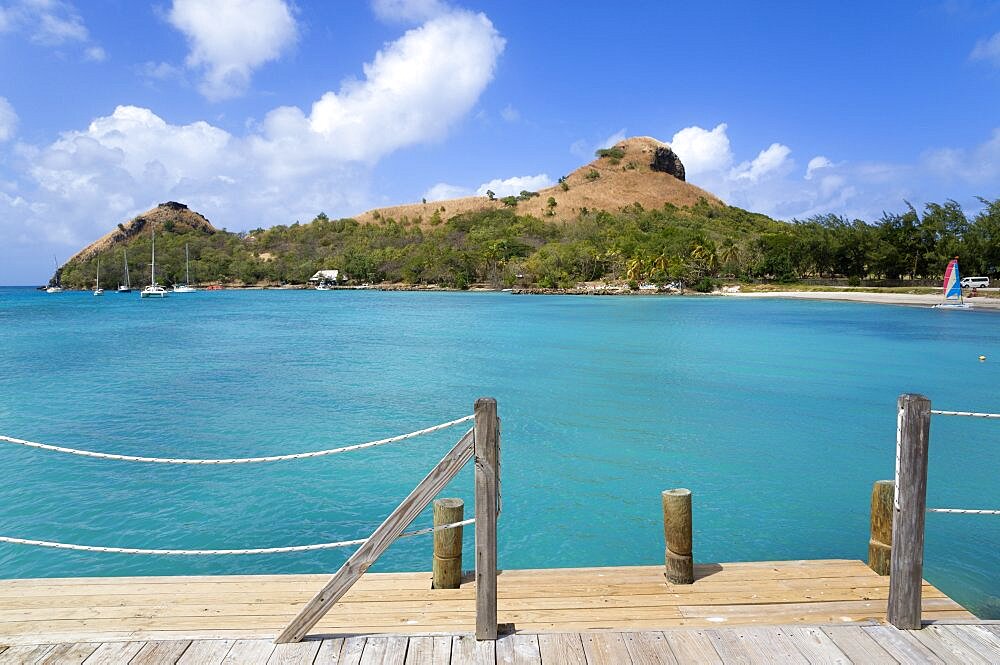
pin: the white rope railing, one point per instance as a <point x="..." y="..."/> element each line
<point x="963" y="511"/>
<point x="969" y="414"/>
<point x="259" y="550"/>
<point x="233" y="460"/>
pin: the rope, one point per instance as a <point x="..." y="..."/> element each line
<point x="235" y="460"/>
<point x="971" y="414"/>
<point x="963" y="511"/>
<point x="262" y="550"/>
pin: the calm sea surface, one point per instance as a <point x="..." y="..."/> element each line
<point x="778" y="415"/>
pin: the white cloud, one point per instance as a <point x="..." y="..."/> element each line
<point x="585" y="149"/>
<point x="229" y="39"/>
<point x="442" y="191"/>
<point x="8" y="120"/>
<point x="515" y="185"/>
<point x="611" y="140"/>
<point x="288" y="167"/>
<point x="50" y="23"/>
<point x="988" y="50"/>
<point x="415" y="11"/>
<point x="979" y="166"/>
<point x="815" y="164"/>
<point x="703" y="151"/>
<point x="771" y="160"/>
<point x="510" y="114"/>
<point x="95" y="54"/>
<point x="413" y="90"/>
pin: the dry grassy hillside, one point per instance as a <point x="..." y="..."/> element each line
<point x="630" y="180"/>
<point x="170" y="215"/>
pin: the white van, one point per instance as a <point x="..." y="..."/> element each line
<point x="975" y="282"/>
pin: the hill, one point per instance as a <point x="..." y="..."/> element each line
<point x="171" y="217"/>
<point x="639" y="170"/>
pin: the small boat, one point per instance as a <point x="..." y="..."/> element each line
<point x="98" y="291"/>
<point x="952" y="288"/>
<point x="127" y="286"/>
<point x="322" y="287"/>
<point x="57" y="287"/>
<point x="186" y="286"/>
<point x="154" y="290"/>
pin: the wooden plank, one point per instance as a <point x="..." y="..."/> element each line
<point x="429" y="651"/>
<point x="880" y="541"/>
<point x="154" y="653"/>
<point x="486" y="443"/>
<point x="561" y="648"/>
<point x="466" y="649"/>
<point x="757" y="645"/>
<point x="113" y="653"/>
<point x="303" y="652"/>
<point x="384" y="651"/>
<point x="648" y="648"/>
<point x="605" y="649"/>
<point x="815" y="645"/>
<point x="249" y="651"/>
<point x="517" y="649"/>
<point x="354" y="647"/>
<point x="692" y="646"/>
<point x="985" y="643"/>
<point x="909" y="511"/>
<point x="949" y="648"/>
<point x="901" y="646"/>
<point x="330" y="651"/>
<point x="857" y="645"/>
<point x="205" y="652"/>
<point x="27" y="653"/>
<point x="380" y="540"/>
<point x="71" y="653"/>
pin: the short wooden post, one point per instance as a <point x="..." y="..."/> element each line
<point x="487" y="442"/>
<point x="677" y="536"/>
<point x="880" y="541"/>
<point x="913" y="426"/>
<point x="447" y="565"/>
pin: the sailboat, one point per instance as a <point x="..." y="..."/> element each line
<point x="98" y="291"/>
<point x="952" y="288"/>
<point x="57" y="287"/>
<point x="186" y="286"/>
<point x="154" y="290"/>
<point x="127" y="286"/>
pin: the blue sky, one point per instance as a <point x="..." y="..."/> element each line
<point x="260" y="112"/>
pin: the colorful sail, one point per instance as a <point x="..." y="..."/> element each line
<point x="952" y="286"/>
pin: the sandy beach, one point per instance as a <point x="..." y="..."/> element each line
<point x="911" y="299"/>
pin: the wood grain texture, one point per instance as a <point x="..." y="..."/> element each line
<point x="446" y="564"/>
<point x="880" y="541"/>
<point x="907" y="558"/>
<point x="379" y="541"/>
<point x="677" y="535"/>
<point x="486" y="437"/>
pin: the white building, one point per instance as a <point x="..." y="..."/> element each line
<point x="325" y="277"/>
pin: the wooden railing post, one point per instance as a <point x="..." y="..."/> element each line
<point x="447" y="565"/>
<point x="677" y="536"/>
<point x="909" y="510"/>
<point x="880" y="541"/>
<point x="487" y="442"/>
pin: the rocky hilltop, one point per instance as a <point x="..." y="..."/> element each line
<point x="171" y="216"/>
<point x="639" y="170"/>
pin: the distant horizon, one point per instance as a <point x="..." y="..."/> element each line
<point x="265" y="112"/>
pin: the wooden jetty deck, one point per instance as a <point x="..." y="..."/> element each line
<point x="588" y="615"/>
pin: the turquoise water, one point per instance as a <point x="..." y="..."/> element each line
<point x="779" y="415"/>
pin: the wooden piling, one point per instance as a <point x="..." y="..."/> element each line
<point x="909" y="510"/>
<point x="487" y="444"/>
<point x="447" y="565"/>
<point x="880" y="542"/>
<point x="677" y="536"/>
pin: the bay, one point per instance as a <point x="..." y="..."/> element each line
<point x="778" y="415"/>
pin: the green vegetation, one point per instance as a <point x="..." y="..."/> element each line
<point x="699" y="245"/>
<point x="592" y="174"/>
<point x="613" y="155"/>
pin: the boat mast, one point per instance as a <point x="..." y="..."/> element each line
<point x="128" y="283"/>
<point x="152" y="266"/>
<point x="187" y="266"/>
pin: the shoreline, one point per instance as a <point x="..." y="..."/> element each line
<point x="907" y="299"/>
